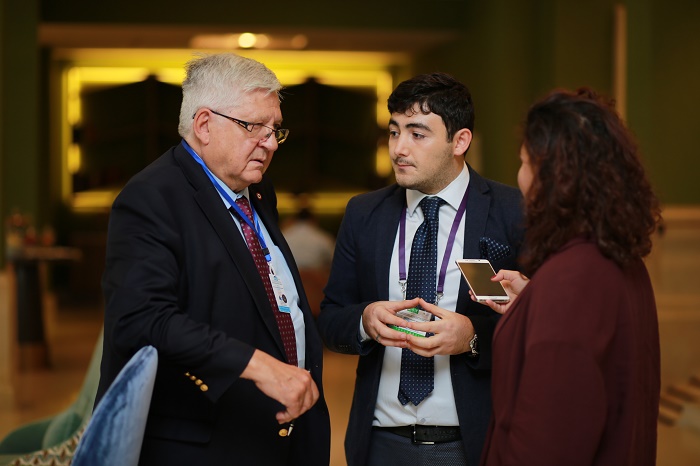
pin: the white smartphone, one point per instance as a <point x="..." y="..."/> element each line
<point x="478" y="273"/>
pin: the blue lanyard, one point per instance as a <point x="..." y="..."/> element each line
<point x="225" y="195"/>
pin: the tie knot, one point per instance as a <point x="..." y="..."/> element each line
<point x="244" y="204"/>
<point x="431" y="206"/>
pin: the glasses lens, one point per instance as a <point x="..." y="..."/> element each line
<point x="281" y="135"/>
<point x="263" y="133"/>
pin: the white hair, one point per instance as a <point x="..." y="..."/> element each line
<point x="218" y="81"/>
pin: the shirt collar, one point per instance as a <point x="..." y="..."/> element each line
<point x="452" y="194"/>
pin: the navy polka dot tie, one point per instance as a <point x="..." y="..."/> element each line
<point x="417" y="371"/>
<point x="284" y="319"/>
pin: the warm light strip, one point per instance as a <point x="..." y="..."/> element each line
<point x="170" y="75"/>
<point x="73" y="157"/>
<point x="114" y="75"/>
<point x="321" y="203"/>
<point x="73" y="89"/>
<point x="93" y="201"/>
<point x="277" y="61"/>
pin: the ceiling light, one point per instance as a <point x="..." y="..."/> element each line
<point x="247" y="40"/>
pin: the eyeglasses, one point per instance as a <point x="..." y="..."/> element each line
<point x="280" y="133"/>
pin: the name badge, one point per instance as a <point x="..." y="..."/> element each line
<point x="278" y="289"/>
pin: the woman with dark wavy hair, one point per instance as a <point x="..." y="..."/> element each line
<point x="576" y="357"/>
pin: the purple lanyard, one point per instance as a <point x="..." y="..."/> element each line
<point x="448" y="250"/>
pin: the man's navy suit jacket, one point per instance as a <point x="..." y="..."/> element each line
<point x="360" y="276"/>
<point x="180" y="277"/>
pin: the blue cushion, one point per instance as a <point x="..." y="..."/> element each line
<point x="114" y="435"/>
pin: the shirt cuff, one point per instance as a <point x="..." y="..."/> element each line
<point x="363" y="334"/>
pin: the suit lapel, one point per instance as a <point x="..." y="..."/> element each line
<point x="477" y="214"/>
<point x="220" y="219"/>
<point x="388" y="216"/>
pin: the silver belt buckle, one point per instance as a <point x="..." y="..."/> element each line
<point x="416" y="442"/>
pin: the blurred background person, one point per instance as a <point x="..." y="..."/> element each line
<point x="311" y="245"/>
<point x="312" y="248"/>
<point x="576" y="357"/>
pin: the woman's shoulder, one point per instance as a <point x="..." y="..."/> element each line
<point x="576" y="272"/>
<point x="579" y="256"/>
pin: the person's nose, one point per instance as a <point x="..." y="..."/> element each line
<point x="398" y="146"/>
<point x="270" y="143"/>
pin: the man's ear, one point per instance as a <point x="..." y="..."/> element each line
<point x="461" y="141"/>
<point x="200" y="125"/>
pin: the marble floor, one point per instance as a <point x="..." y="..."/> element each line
<point x="674" y="266"/>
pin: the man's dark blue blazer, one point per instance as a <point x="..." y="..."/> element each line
<point x="180" y="277"/>
<point x="360" y="276"/>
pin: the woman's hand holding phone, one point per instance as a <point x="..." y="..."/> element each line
<point x="513" y="281"/>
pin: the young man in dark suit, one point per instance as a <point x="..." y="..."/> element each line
<point x="197" y="267"/>
<point x="420" y="400"/>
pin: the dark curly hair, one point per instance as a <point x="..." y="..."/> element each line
<point x="437" y="93"/>
<point x="587" y="180"/>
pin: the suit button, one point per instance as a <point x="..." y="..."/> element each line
<point x="192" y="377"/>
<point x="203" y="387"/>
<point x="198" y="382"/>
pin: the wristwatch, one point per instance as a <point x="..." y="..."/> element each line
<point x="473" y="344"/>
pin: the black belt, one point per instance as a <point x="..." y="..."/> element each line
<point x="425" y="435"/>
